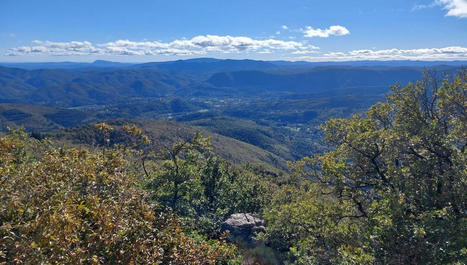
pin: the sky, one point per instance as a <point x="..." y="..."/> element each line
<point x="157" y="30"/>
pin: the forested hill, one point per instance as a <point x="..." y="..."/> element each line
<point x="110" y="85"/>
<point x="65" y="88"/>
<point x="166" y="133"/>
<point x="317" y="80"/>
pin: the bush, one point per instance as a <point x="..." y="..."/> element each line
<point x="69" y="206"/>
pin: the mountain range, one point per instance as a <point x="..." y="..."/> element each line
<point x="101" y="82"/>
<point x="276" y="106"/>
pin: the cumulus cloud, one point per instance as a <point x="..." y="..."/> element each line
<point x="213" y="43"/>
<point x="195" y="46"/>
<point x="455" y="8"/>
<point x="446" y="53"/>
<point x="203" y="44"/>
<point x="284" y="27"/>
<point x="57" y="48"/>
<point x="335" y="30"/>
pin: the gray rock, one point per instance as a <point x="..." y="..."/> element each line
<point x="243" y="227"/>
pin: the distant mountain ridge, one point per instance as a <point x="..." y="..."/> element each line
<point x="208" y="65"/>
<point x="220" y="65"/>
<point x="316" y="80"/>
<point x="65" y="88"/>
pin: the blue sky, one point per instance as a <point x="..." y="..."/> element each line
<point x="145" y="30"/>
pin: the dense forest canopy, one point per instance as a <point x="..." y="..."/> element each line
<point x="388" y="189"/>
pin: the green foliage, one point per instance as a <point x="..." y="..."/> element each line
<point x="204" y="188"/>
<point x="70" y="206"/>
<point x="164" y="134"/>
<point x="392" y="190"/>
<point x="37" y="118"/>
<point x="270" y="138"/>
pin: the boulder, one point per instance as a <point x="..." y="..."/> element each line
<point x="243" y="227"/>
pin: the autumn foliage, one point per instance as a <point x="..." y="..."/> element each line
<point x="69" y="206"/>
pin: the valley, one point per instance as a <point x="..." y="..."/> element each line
<point x="277" y="107"/>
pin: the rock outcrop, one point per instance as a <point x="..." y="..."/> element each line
<point x="243" y="227"/>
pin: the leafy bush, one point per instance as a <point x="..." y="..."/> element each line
<point x="69" y="206"/>
<point x="394" y="184"/>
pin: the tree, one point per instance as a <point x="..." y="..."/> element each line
<point x="401" y="174"/>
<point x="139" y="142"/>
<point x="204" y="189"/>
<point x="70" y="206"/>
<point x="404" y="168"/>
<point x="179" y="172"/>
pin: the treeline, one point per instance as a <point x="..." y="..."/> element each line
<point x="391" y="190"/>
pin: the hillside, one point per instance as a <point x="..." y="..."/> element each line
<point x="317" y="80"/>
<point x="206" y="66"/>
<point x="283" y="142"/>
<point x="67" y="89"/>
<point x="277" y="140"/>
<point x="38" y="118"/>
<point x="166" y="133"/>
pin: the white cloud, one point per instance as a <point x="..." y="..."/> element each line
<point x="455" y="8"/>
<point x="195" y="46"/>
<point x="303" y="52"/>
<point x="284" y="27"/>
<point x="204" y="44"/>
<point x="57" y="48"/>
<point x="424" y="6"/>
<point x="265" y="52"/>
<point x="335" y="30"/>
<point x="432" y="54"/>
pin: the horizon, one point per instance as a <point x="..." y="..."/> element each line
<point x="312" y="31"/>
<point x="235" y="59"/>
